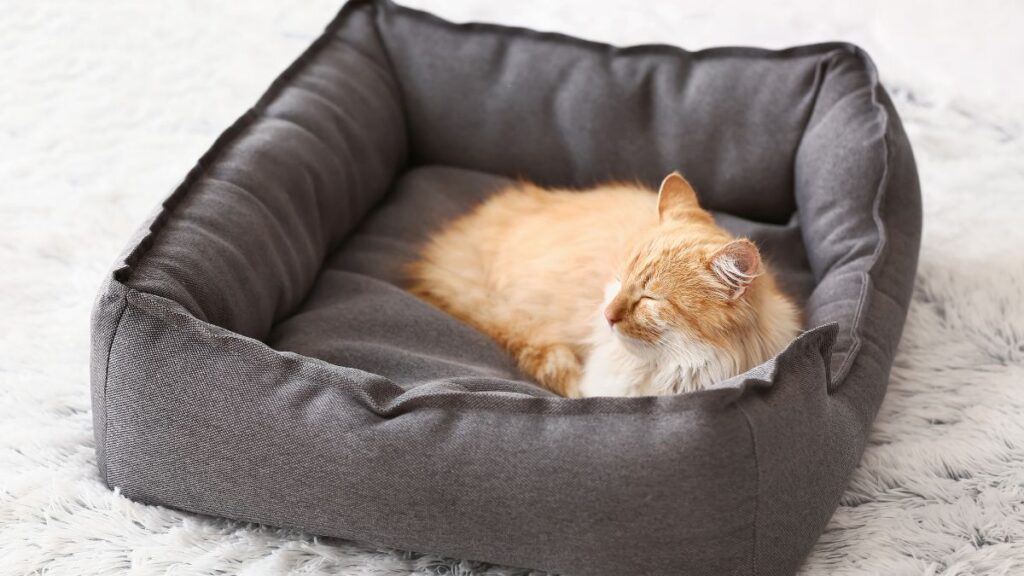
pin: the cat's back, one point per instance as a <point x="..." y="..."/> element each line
<point x="525" y="230"/>
<point x="527" y="223"/>
<point x="546" y="253"/>
<point x="575" y="221"/>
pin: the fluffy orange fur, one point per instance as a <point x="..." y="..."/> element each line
<point x="610" y="291"/>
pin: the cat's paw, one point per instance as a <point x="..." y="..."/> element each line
<point x="556" y="367"/>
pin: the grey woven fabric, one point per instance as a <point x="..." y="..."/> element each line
<point x="255" y="356"/>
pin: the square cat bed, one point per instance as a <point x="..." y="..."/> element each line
<point x="256" y="357"/>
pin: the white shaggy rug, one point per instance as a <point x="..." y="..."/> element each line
<point x="103" y="107"/>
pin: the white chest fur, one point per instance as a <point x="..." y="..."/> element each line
<point x="618" y="367"/>
<point x="615" y="368"/>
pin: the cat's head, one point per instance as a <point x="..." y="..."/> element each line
<point x="686" y="281"/>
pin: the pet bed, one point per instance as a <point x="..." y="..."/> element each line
<point x="255" y="356"/>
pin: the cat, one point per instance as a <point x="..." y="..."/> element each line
<point x="612" y="291"/>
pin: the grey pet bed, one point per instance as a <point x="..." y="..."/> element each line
<point x="255" y="357"/>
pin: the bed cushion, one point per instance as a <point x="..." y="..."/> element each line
<point x="255" y="356"/>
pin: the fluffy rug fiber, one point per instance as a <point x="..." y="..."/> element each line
<point x="103" y="107"/>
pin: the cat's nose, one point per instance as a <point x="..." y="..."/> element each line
<point x="613" y="315"/>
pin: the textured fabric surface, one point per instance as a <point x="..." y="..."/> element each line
<point x="202" y="402"/>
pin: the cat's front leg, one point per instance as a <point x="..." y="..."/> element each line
<point x="555" y="366"/>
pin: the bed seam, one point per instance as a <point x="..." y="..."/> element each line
<point x="106" y="380"/>
<point x="820" y="75"/>
<point x="724" y="51"/>
<point x="757" y="487"/>
<point x="378" y="12"/>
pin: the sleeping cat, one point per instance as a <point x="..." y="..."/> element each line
<point x="613" y="291"/>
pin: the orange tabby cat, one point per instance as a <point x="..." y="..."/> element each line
<point x="613" y="291"/>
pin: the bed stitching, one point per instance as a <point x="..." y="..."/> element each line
<point x="757" y="484"/>
<point x="726" y="51"/>
<point x="821" y="72"/>
<point x="378" y="13"/>
<point x="106" y="380"/>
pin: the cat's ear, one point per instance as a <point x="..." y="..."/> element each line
<point x="736" y="265"/>
<point x="675" y="196"/>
